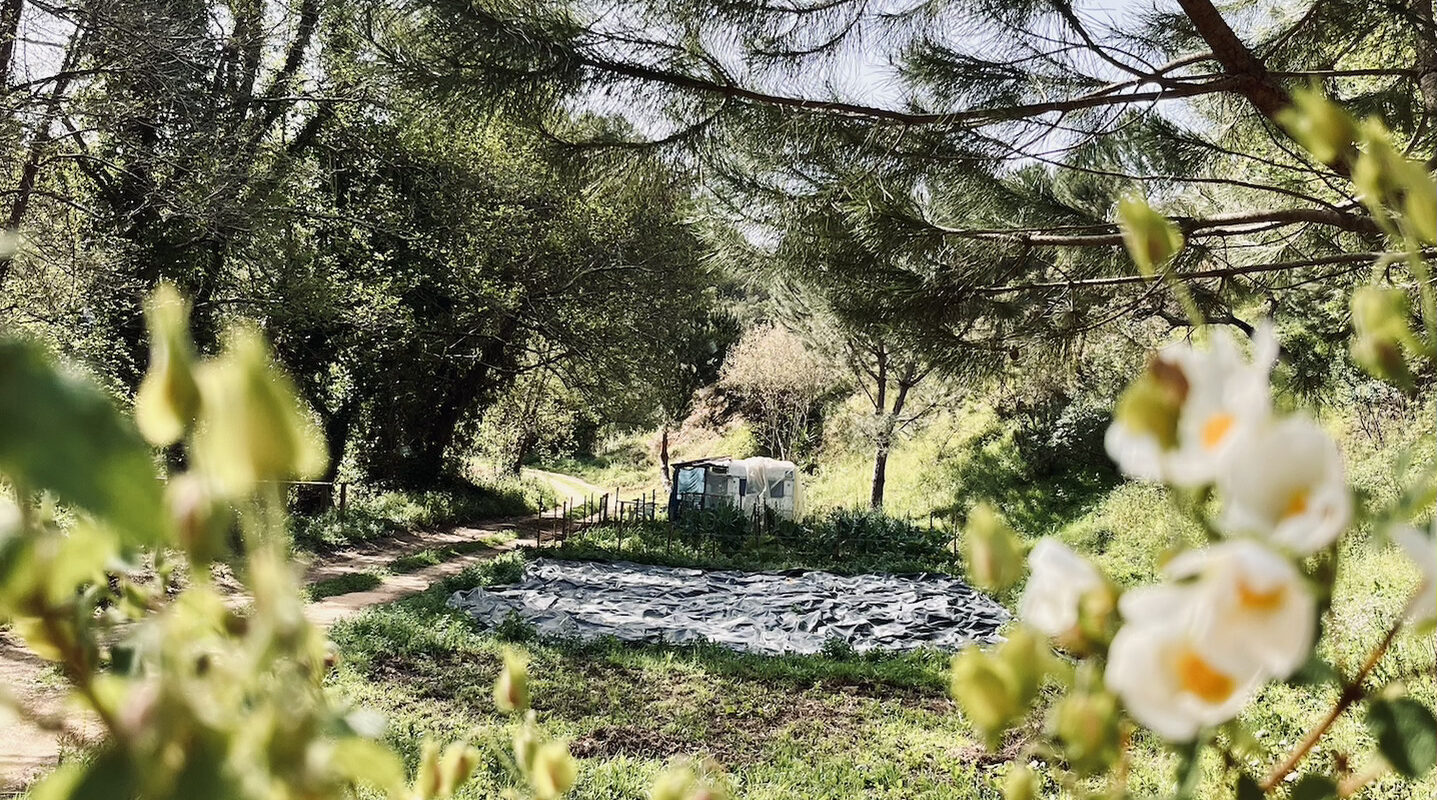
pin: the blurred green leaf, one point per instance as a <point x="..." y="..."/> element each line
<point x="61" y="434"/>
<point x="1248" y="788"/>
<point x="370" y="763"/>
<point x="1406" y="734"/>
<point x="1189" y="775"/>
<point x="1314" y="787"/>
<point x="1316" y="672"/>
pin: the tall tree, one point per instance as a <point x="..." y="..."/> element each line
<point x="166" y="128"/>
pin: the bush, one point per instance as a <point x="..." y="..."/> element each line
<point x="370" y="516"/>
<point x="343" y="584"/>
<point x="841" y="540"/>
<point x="842" y="534"/>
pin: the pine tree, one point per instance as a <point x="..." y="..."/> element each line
<point x="989" y="163"/>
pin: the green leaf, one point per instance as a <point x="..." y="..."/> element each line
<point x="1248" y="788"/>
<point x="1406" y="734"/>
<point x="107" y="776"/>
<point x="61" y="434"/>
<point x="1189" y="768"/>
<point x="369" y="763"/>
<point x="1314" y="787"/>
<point x="1316" y="672"/>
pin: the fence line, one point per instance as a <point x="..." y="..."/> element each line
<point x="715" y="529"/>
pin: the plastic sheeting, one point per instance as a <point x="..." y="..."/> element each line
<point x="763" y="612"/>
<point x="769" y="483"/>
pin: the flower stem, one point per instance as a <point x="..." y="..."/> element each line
<point x="1352" y="692"/>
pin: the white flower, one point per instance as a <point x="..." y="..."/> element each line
<point x="1171" y="679"/>
<point x="1057" y="581"/>
<point x="1250" y="599"/>
<point x="1286" y="483"/>
<point x="1215" y="396"/>
<point x="1423" y="551"/>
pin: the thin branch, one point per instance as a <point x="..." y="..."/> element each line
<point x="1226" y="272"/>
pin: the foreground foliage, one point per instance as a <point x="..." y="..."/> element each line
<point x="197" y="695"/>
<point x="1179" y="659"/>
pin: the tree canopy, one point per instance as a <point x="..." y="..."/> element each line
<point x="982" y="146"/>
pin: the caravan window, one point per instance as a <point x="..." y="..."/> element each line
<point x="690" y="481"/>
<point x="775" y="489"/>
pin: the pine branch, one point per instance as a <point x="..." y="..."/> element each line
<point x="1225" y="272"/>
<point x="1209" y="227"/>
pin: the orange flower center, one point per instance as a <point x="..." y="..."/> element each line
<point x="1215" y="429"/>
<point x="1258" y="599"/>
<point x="1196" y="676"/>
<point x="1296" y="504"/>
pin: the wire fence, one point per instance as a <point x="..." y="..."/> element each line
<point x="642" y="523"/>
<point x="309" y="497"/>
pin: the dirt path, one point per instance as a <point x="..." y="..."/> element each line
<point x="567" y="486"/>
<point x="28" y="751"/>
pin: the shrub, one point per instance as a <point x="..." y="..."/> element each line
<point x="373" y="515"/>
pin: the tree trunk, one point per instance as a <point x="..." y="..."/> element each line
<point x="1426" y="46"/>
<point x="883" y="441"/>
<point x="880" y="474"/>
<point x="664" y="458"/>
<point x="9" y="32"/>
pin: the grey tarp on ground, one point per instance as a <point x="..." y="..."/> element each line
<point x="762" y="612"/>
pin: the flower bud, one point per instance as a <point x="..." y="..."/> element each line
<point x="1153" y="403"/>
<point x="1097" y="621"/>
<point x="455" y="766"/>
<point x="1020" y="783"/>
<point x="1419" y="200"/>
<point x="201" y="521"/>
<point x="1028" y="659"/>
<point x="1320" y="125"/>
<point x="428" y="778"/>
<point x="992" y="550"/>
<point x="526" y="744"/>
<point x="685" y="783"/>
<point x="1378" y="171"/>
<point x="986" y="689"/>
<point x="1381" y="320"/>
<point x="553" y="770"/>
<point x="1152" y="239"/>
<point x="252" y="428"/>
<point x="511" y="689"/>
<point x="1086" y="725"/>
<point x="168" y="398"/>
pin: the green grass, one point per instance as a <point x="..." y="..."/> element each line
<point x="839" y="541"/>
<point x="827" y="726"/>
<point x="799" y="726"/>
<point x="343" y="584"/>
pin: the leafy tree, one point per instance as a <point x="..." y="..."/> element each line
<point x="781" y="383"/>
<point x="406" y="261"/>
<point x="152" y="148"/>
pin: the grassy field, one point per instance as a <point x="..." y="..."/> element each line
<point x="820" y="726"/>
<point x="843" y="725"/>
<point x="827" y="726"/>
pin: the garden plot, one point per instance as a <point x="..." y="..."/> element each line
<point x="761" y="612"/>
